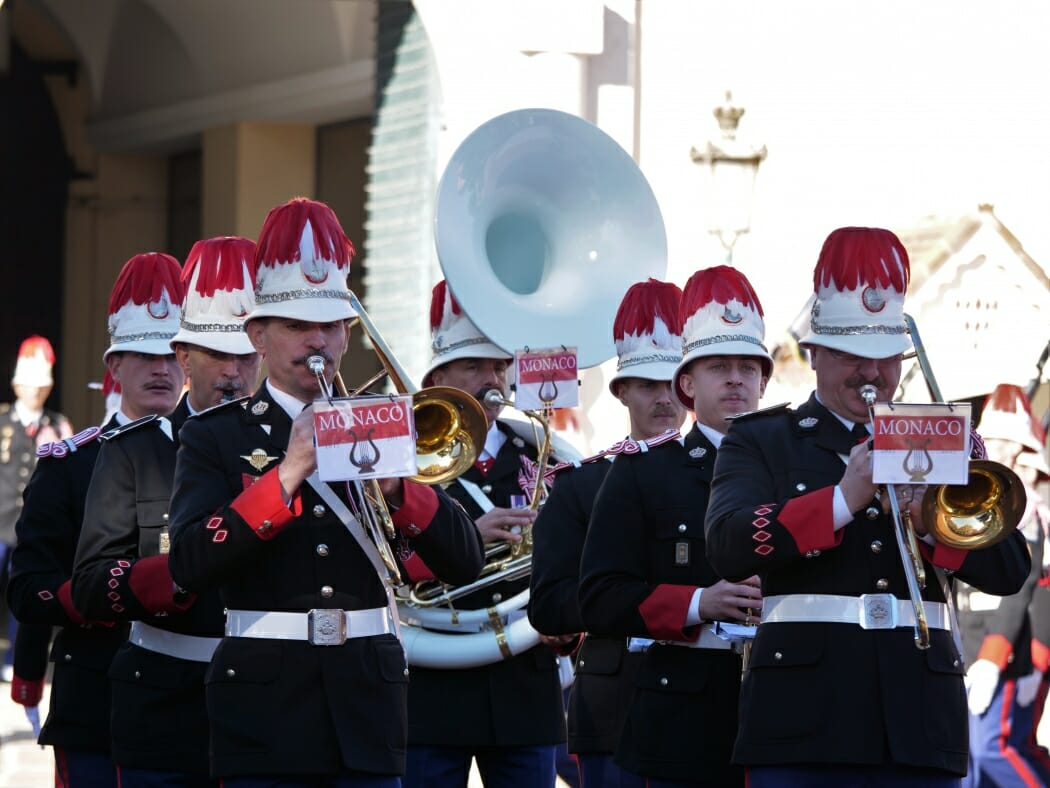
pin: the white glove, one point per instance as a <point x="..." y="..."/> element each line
<point x="33" y="715"/>
<point x="981" y="680"/>
<point x="1028" y="688"/>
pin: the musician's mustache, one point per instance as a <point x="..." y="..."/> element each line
<point x="479" y="395"/>
<point x="229" y="389"/>
<point x="856" y="381"/>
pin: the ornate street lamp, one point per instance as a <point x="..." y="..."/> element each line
<point x="732" y="165"/>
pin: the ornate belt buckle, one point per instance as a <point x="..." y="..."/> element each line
<point x="878" y="611"/>
<point x="326" y="627"/>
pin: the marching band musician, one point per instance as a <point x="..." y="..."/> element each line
<point x="160" y="728"/>
<point x="644" y="574"/>
<point x="508" y="715"/>
<point x="143" y="316"/>
<point x="648" y="335"/>
<point x="832" y="696"/>
<point x="308" y="686"/>
<point x="1002" y="682"/>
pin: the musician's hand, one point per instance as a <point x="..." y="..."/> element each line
<point x="856" y="483"/>
<point x="498" y="524"/>
<point x="909" y="501"/>
<point x="558" y="641"/>
<point x="300" y="460"/>
<point x="725" y="601"/>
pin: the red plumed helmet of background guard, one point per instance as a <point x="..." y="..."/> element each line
<point x="859" y="285"/>
<point x="721" y="316"/>
<point x="647" y="331"/>
<point x="453" y="335"/>
<point x="36" y="357"/>
<point x="145" y="305"/>
<point x="302" y="262"/>
<point x="1007" y="416"/>
<point x="219" y="277"/>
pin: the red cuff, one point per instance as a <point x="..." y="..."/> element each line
<point x="997" y="649"/>
<point x="947" y="557"/>
<point x="570" y="648"/>
<point x="1040" y="656"/>
<point x="664" y="612"/>
<point x="419" y="507"/>
<point x="810" y="519"/>
<point x="65" y="598"/>
<point x="27" y="693"/>
<point x="416" y="570"/>
<point x="262" y="506"/>
<point x="151" y="584"/>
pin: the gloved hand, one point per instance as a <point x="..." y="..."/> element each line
<point x="1028" y="688"/>
<point x="981" y="680"/>
<point x="33" y="715"/>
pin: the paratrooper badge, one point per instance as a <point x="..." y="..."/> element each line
<point x="258" y="458"/>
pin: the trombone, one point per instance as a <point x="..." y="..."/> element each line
<point x="970" y="516"/>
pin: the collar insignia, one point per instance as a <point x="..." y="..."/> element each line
<point x="697" y="452"/>
<point x="258" y="459"/>
<point x="808" y="422"/>
<point x="259" y="408"/>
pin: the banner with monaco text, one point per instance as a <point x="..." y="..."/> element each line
<point x="921" y="444"/>
<point x="365" y="438"/>
<point x="546" y="379"/>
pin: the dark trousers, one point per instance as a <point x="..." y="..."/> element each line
<point x="600" y="771"/>
<point x="75" y="769"/>
<point x="994" y="760"/>
<point x="152" y="778"/>
<point x="348" y="780"/>
<point x="500" y="767"/>
<point x="847" y="777"/>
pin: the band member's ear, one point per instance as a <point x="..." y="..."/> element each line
<point x="762" y="387"/>
<point x="256" y="331"/>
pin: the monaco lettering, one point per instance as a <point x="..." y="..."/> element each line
<point x="548" y="363"/>
<point x="919" y="427"/>
<point x="361" y="417"/>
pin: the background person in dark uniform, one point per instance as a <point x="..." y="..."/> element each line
<point x="160" y="724"/>
<point x="507" y="715"/>
<point x="644" y="573"/>
<point x="832" y="704"/>
<point x="1002" y="682"/>
<point x="648" y="335"/>
<point x="25" y="425"/>
<point x="77" y="724"/>
<point x="308" y="687"/>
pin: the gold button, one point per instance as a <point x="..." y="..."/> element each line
<point x="320" y="511"/>
<point x="322" y="550"/>
<point x="327" y="591"/>
<point x="230" y="673"/>
<point x="882" y="584"/>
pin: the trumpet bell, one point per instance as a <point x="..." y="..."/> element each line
<point x="450" y="433"/>
<point x="543" y="220"/>
<point x="979" y="513"/>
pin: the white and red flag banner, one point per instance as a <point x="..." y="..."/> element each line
<point x="921" y="444"/>
<point x="365" y="438"/>
<point x="546" y="379"/>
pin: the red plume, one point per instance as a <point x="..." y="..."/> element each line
<point x="855" y="256"/>
<point x="643" y="303"/>
<point x="142" y="279"/>
<point x="109" y="385"/>
<point x="1010" y="398"/>
<point x="36" y="345"/>
<point x="283" y="230"/>
<point x="721" y="284"/>
<point x="437" y="304"/>
<point x="221" y="262"/>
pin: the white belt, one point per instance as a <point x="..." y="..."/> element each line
<point x="869" y="611"/>
<point x="188" y="647"/>
<point x="707" y="640"/>
<point x="320" y="627"/>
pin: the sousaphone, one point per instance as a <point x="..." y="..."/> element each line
<point x="542" y="223"/>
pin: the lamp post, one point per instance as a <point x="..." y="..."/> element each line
<point x="732" y="165"/>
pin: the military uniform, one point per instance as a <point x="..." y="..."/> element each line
<point x="121" y="573"/>
<point x="836" y="693"/>
<point x="283" y="705"/>
<point x="643" y="561"/>
<point x="39" y="594"/>
<point x="512" y="703"/>
<point x="604" y="670"/>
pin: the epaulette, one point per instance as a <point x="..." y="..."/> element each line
<point x="116" y="432"/>
<point x="242" y="401"/>
<point x="69" y="445"/>
<point x="783" y="407"/>
<point x="626" y="446"/>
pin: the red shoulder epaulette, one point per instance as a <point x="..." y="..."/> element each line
<point x="69" y="445"/>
